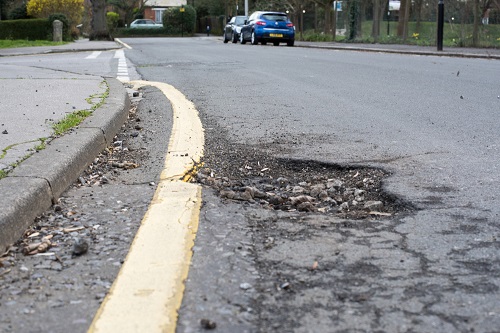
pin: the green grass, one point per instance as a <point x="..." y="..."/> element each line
<point x="74" y="119"/>
<point x="7" y="43"/>
<point x="71" y="120"/>
<point x="454" y="35"/>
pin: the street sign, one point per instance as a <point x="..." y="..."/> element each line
<point x="394" y="5"/>
<point x="337" y="5"/>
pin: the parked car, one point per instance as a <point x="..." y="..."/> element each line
<point x="263" y="27"/>
<point x="145" y="23"/>
<point x="233" y="28"/>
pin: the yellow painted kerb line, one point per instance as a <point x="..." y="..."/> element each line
<point x="148" y="291"/>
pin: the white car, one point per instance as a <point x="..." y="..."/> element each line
<point x="145" y="23"/>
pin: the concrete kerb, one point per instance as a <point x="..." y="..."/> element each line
<point x="410" y="52"/>
<point x="39" y="181"/>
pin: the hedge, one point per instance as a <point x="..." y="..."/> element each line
<point x="30" y="29"/>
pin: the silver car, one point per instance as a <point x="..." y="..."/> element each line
<point x="145" y="23"/>
<point x="233" y="28"/>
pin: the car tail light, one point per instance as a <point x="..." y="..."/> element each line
<point x="260" y="23"/>
<point x="289" y="25"/>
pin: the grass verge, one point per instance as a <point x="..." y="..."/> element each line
<point x="6" y="43"/>
<point x="74" y="119"/>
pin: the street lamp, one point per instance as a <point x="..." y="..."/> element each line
<point x="302" y="23"/>
<point x="182" y="20"/>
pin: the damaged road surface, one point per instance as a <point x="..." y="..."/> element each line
<point x="329" y="203"/>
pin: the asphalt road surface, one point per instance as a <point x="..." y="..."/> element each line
<point x="429" y="123"/>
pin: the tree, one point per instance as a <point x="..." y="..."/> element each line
<point x="127" y="7"/>
<point x="404" y="16"/>
<point x="326" y="5"/>
<point x="4" y="6"/>
<point x="475" y="27"/>
<point x="353" y="14"/>
<point x="72" y="9"/>
<point x="98" y="23"/>
<point x="378" y="15"/>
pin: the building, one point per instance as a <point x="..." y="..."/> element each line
<point x="153" y="9"/>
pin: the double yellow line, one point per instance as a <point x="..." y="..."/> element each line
<point x="148" y="291"/>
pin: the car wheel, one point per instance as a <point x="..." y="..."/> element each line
<point x="234" y="37"/>
<point x="290" y="43"/>
<point x="254" y="39"/>
<point x="242" y="38"/>
<point x="276" y="43"/>
<point x="224" y="37"/>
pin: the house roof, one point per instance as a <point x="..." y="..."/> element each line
<point x="165" y="3"/>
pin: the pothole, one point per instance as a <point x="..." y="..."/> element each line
<point x="248" y="176"/>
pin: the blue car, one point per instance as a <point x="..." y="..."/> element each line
<point x="264" y="27"/>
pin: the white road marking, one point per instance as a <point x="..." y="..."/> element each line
<point x="148" y="291"/>
<point x="122" y="43"/>
<point x="122" y="73"/>
<point x="93" y="55"/>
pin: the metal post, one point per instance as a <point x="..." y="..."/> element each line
<point x="440" y="24"/>
<point x="302" y="23"/>
<point x="388" y="22"/>
<point x="182" y="20"/>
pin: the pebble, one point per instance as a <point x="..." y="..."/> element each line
<point x="374" y="205"/>
<point x="80" y="247"/>
<point x="208" y="324"/>
<point x="245" y="286"/>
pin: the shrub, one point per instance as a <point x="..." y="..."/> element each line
<point x="19" y="13"/>
<point x="30" y="29"/>
<point x="112" y="20"/>
<point x="72" y="9"/>
<point x="176" y="21"/>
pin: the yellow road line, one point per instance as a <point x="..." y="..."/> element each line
<point x="148" y="291"/>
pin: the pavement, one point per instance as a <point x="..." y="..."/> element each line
<point x="32" y="187"/>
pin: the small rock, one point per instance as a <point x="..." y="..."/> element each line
<point x="344" y="206"/>
<point x="245" y="196"/>
<point x="317" y="189"/>
<point x="306" y="207"/>
<point x="374" y="205"/>
<point x="282" y="181"/>
<point x="323" y="196"/>
<point x="208" y="324"/>
<point x="245" y="286"/>
<point x="80" y="247"/>
<point x="285" y="286"/>
<point x="227" y="194"/>
<point x="335" y="183"/>
<point x="5" y="132"/>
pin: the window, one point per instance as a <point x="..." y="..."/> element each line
<point x="158" y="15"/>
